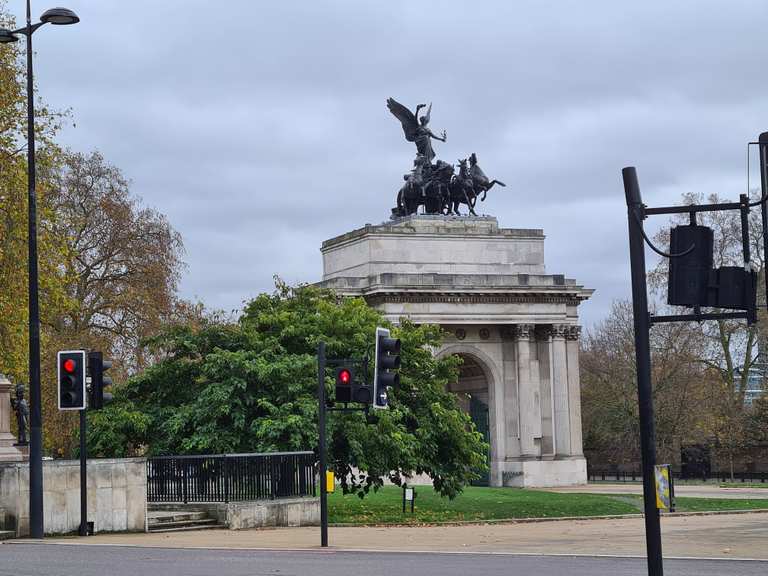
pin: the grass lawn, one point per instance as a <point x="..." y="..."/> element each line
<point x="741" y="485"/>
<point x="476" y="503"/>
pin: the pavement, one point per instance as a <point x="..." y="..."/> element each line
<point x="714" y="536"/>
<point x="690" y="490"/>
<point x="46" y="560"/>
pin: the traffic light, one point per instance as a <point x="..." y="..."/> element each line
<point x="387" y="362"/>
<point x="694" y="281"/>
<point x="70" y="371"/>
<point x="97" y="366"/>
<point x="689" y="272"/>
<point x="344" y="378"/>
<point x="349" y="388"/>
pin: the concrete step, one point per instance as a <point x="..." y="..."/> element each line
<point x="7" y="534"/>
<point x="188" y="528"/>
<point x="180" y="520"/>
<point x="161" y="516"/>
<point x="183" y="523"/>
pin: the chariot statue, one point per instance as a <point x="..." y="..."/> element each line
<point x="435" y="186"/>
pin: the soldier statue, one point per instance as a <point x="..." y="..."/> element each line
<point x="20" y="406"/>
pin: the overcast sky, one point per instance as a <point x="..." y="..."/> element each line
<point x="260" y="128"/>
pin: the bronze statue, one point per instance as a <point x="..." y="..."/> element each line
<point x="435" y="186"/>
<point x="20" y="406"/>
<point x="416" y="129"/>
<point x="480" y="181"/>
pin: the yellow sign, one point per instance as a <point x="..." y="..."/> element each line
<point x="663" y="492"/>
<point x="330" y="482"/>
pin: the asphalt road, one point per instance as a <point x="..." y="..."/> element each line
<point x="64" y="560"/>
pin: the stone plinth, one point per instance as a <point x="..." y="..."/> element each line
<point x="8" y="452"/>
<point x="515" y="325"/>
<point x="117" y="495"/>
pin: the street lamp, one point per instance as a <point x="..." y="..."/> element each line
<point x="57" y="16"/>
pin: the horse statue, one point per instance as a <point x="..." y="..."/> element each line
<point x="462" y="191"/>
<point x="480" y="181"/>
<point x="411" y="195"/>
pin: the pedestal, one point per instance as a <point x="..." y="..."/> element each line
<point x="8" y="452"/>
<point x="514" y="325"/>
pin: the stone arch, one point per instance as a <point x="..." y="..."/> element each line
<point x="492" y="372"/>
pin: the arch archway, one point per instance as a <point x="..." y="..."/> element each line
<point x="475" y="392"/>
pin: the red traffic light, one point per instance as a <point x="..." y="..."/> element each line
<point x="345" y="376"/>
<point x="69" y="365"/>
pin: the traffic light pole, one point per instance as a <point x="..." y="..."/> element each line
<point x="643" y="362"/>
<point x="83" y="478"/>
<point x="321" y="444"/>
<point x="35" y="394"/>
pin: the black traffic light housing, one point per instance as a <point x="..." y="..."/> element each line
<point x="70" y="372"/>
<point x="348" y="386"/>
<point x="387" y="363"/>
<point x="97" y="366"/>
<point x="695" y="282"/>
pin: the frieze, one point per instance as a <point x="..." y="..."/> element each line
<point x="463" y="298"/>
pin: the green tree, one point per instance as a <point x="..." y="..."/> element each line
<point x="250" y="386"/>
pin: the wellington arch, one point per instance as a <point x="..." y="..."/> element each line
<point x="514" y="326"/>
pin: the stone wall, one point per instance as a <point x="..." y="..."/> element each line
<point x="264" y="513"/>
<point x="117" y="495"/>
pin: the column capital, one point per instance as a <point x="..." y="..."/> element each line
<point x="543" y="331"/>
<point x="559" y="330"/>
<point x="573" y="332"/>
<point x="523" y="331"/>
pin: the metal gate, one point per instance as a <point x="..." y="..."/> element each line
<point x="478" y="411"/>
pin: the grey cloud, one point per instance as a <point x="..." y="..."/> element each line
<point x="260" y="128"/>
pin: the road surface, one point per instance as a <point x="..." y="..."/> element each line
<point x="82" y="560"/>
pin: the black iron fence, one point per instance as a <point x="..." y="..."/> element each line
<point x="230" y="477"/>
<point x="619" y="475"/>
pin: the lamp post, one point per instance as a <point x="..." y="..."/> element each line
<point x="57" y="16"/>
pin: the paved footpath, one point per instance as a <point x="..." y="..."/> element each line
<point x="691" y="490"/>
<point x="716" y="536"/>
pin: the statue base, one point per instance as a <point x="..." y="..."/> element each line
<point x="8" y="452"/>
<point x="513" y="324"/>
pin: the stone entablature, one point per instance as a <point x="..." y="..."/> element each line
<point x="488" y="288"/>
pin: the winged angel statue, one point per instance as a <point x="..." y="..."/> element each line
<point x="435" y="186"/>
<point x="416" y="129"/>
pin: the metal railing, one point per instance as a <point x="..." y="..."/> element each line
<point x="230" y="477"/>
<point x="636" y="475"/>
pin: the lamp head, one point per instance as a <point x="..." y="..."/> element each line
<point x="6" y="36"/>
<point x="59" y="16"/>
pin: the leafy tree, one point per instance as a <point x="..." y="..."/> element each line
<point x="681" y="389"/>
<point x="251" y="386"/>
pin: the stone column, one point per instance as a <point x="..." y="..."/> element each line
<point x="510" y="410"/>
<point x="530" y="410"/>
<point x="560" y="391"/>
<point x="544" y="354"/>
<point x="8" y="452"/>
<point x="574" y="389"/>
